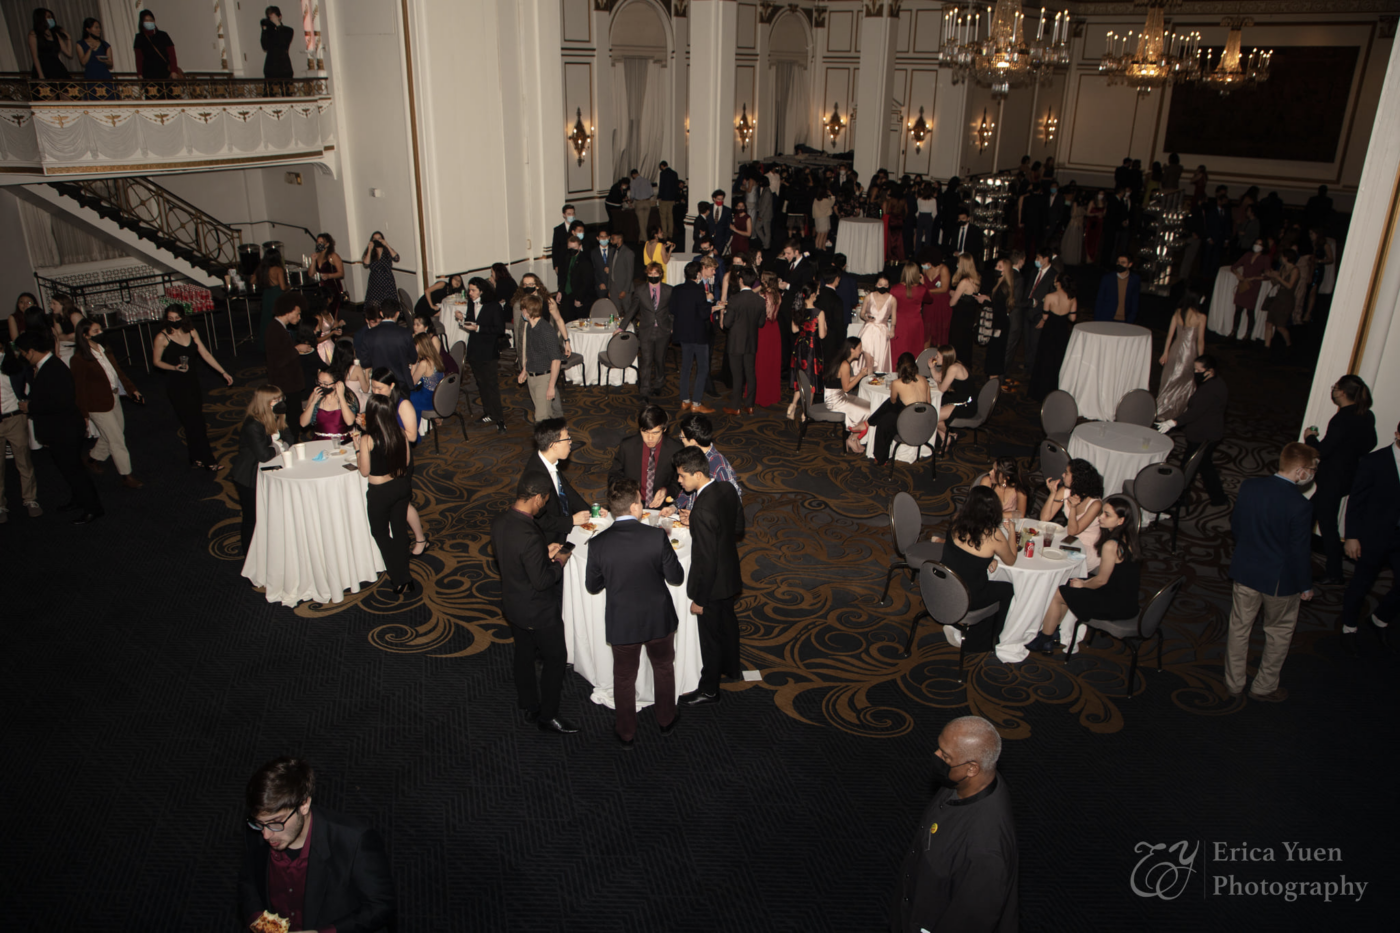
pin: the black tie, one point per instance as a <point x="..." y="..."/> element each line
<point x="563" y="496"/>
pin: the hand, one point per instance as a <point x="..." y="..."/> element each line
<point x="138" y="398"/>
<point x="1310" y="432"/>
<point x="1073" y="499"/>
<point x="1306" y="596"/>
<point x="1352" y="548"/>
<point x="553" y="549"/>
<point x="992" y="568"/>
<point x="520" y="379"/>
<point x="1166" y="426"/>
<point x="24" y="406"/>
<point x="696" y="609"/>
<point x="668" y="511"/>
<point x="1053" y="484"/>
<point x="549" y="393"/>
<point x="582" y="516"/>
<point x="1163" y="360"/>
<point x="228" y="380"/>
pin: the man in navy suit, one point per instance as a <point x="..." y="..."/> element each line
<point x="1119" y="293"/>
<point x="1272" y="569"/>
<point x="720" y="219"/>
<point x="634" y="563"/>
<point x="715" y="580"/>
<point x="1373" y="540"/>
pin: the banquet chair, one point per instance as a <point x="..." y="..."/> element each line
<point x="1134" y="510"/>
<point x="445" y="398"/>
<point x="621" y="353"/>
<point x="814" y="411"/>
<point x="1059" y="413"/>
<point x="906" y="522"/>
<point x="945" y="602"/>
<point x="1137" y="631"/>
<point x="1157" y="488"/>
<point x="405" y="306"/>
<point x="915" y="427"/>
<point x="986" y="401"/>
<point x="1137" y="407"/>
<point x="602" y="309"/>
<point x="1053" y="459"/>
<point x="924" y="361"/>
<point x="459" y="353"/>
<point x="1189" y="471"/>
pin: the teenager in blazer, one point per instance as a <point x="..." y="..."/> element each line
<point x="1373" y="541"/>
<point x="649" y="447"/>
<point x="53" y="414"/>
<point x="561" y="512"/>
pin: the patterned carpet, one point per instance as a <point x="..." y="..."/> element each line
<point x="145" y="680"/>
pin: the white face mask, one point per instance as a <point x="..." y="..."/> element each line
<point x="1258" y="248"/>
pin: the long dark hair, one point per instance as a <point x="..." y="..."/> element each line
<point x="1085" y="481"/>
<point x="385" y="375"/>
<point x="908" y="368"/>
<point x="88" y="24"/>
<point x="41" y="21"/>
<point x="382" y="425"/>
<point x="330" y="242"/>
<point x="82" y="346"/>
<point x="270" y="260"/>
<point x="979" y="517"/>
<point x="1009" y="468"/>
<point x="841" y="354"/>
<point x="1125" y="535"/>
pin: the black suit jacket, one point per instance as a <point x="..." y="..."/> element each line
<point x="716" y="521"/>
<point x="254" y="449"/>
<point x="634" y="563"/>
<point x="642" y="311"/>
<point x="972" y="243"/>
<point x="559" y="252"/>
<point x="348" y="882"/>
<point x="690" y="314"/>
<point x="1204" y="417"/>
<point x="668" y="187"/>
<point x="1351" y="435"/>
<point x="552" y="518"/>
<point x="627" y="462"/>
<point x="798" y="276"/>
<point x="284" y="368"/>
<point x="532" y="585"/>
<point x="483" y="345"/>
<point x="743" y="318"/>
<point x="1374" y="507"/>
<point x="1038" y="290"/>
<point x="53" y="405"/>
<point x="388" y="344"/>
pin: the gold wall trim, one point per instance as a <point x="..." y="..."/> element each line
<point x="417" y="163"/>
<point x="1368" y="310"/>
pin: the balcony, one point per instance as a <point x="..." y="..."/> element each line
<point x="76" y="128"/>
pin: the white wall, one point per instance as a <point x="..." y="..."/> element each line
<point x="192" y="26"/>
<point x="16" y="272"/>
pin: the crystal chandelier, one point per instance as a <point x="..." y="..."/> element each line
<point x="1159" y="57"/>
<point x="988" y="45"/>
<point x="1232" y="70"/>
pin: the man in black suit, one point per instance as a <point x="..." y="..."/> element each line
<point x="634" y="563"/>
<point x="312" y="866"/>
<point x="1203" y="422"/>
<point x="1038" y="286"/>
<point x="965" y="237"/>
<point x="1318" y="211"/>
<point x="716" y="521"/>
<point x="558" y="253"/>
<point x="645" y="458"/>
<point x="284" y="369"/>
<point x="485" y="320"/>
<point x="576" y="291"/>
<point x="386" y="344"/>
<point x="532" y="596"/>
<point x="613" y="267"/>
<point x="690" y="312"/>
<point x="53" y="413"/>
<point x="743" y="316"/>
<point x="1373" y="540"/>
<point x="799" y="275"/>
<point x="651" y="309"/>
<point x="720" y="219"/>
<point x="1351" y="435"/>
<point x="668" y="192"/>
<point x="1117" y="226"/>
<point x="564" y="507"/>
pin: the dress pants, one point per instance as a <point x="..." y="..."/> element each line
<point x="111" y="437"/>
<point x="1031" y="335"/>
<point x="68" y="457"/>
<point x="248" y="502"/>
<point x="188" y="402"/>
<point x="544" y="407"/>
<point x="1280" y="617"/>
<point x="1209" y="477"/>
<point x="985" y="634"/>
<point x="745" y="383"/>
<point x="488" y="385"/>
<point x="651" y="359"/>
<point x="1375" y="555"/>
<point x="661" y="653"/>
<point x="546" y="643"/>
<point x="1327" y="503"/>
<point x="387" y="504"/>
<point x="692" y="388"/>
<point x="719" y="643"/>
<point x="667" y="209"/>
<point x="15" y="431"/>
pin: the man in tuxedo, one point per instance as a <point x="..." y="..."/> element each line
<point x="558" y="254"/>
<point x="485" y="320"/>
<point x="576" y="293"/>
<point x="1039" y="286"/>
<point x="799" y="275"/>
<point x="743" y="316"/>
<point x="634" y="563"/>
<point x="386" y="344"/>
<point x="613" y="267"/>
<point x="693" y="331"/>
<point x="716" y="521"/>
<point x="668" y="192"/>
<point x="316" y="868"/>
<point x="651" y="309"/>
<point x="720" y="219"/>
<point x="965" y="237"/>
<point x="1373" y="541"/>
<point x="532" y="599"/>
<point x="564" y="507"/>
<point x="1123" y="175"/>
<point x="284" y="369"/>
<point x="53" y="413"/>
<point x="1119" y="293"/>
<point x="1203" y="422"/>
<point x="1217" y="226"/>
<point x="645" y="458"/>
<point x="1271" y="569"/>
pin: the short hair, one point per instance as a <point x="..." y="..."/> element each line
<point x="547" y="433"/>
<point x="577" y="225"/>
<point x="663" y="165"/>
<point x="621" y="494"/>
<point x="704" y="241"/>
<point x="1207" y="362"/>
<point x="691" y="460"/>
<point x="747" y="276"/>
<point x="698" y="428"/>
<point x="717" y="193"/>
<point x="567" y="207"/>
<point x="633" y="172"/>
<point x="964" y="209"/>
<point x="371" y="311"/>
<point x="652" y="417"/>
<point x="692" y="271"/>
<point x="793" y="244"/>
<point x="655" y="267"/>
<point x="391" y="308"/>
<point x="533" y="484"/>
<point x="282" y="784"/>
<point x="532" y="306"/>
<point x="704" y="207"/>
<point x="287" y="302"/>
<point x="979" y="740"/>
<point x="36" y="341"/>
<point x="838" y="261"/>
<point x="1296" y="455"/>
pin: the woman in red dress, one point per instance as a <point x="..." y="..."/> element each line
<point x="938" y="312"/>
<point x="1093" y="228"/>
<point x="768" y="363"/>
<point x="908" y="312"/>
<point x="740" y="229"/>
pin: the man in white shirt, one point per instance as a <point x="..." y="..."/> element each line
<point x="14" y="430"/>
<point x="644" y="198"/>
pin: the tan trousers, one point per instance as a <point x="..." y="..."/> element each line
<point x="668" y="223"/>
<point x="1280" y="618"/>
<point x="544" y="407"/>
<point x="111" y="439"/>
<point x="644" y="214"/>
<point x="15" y="431"/>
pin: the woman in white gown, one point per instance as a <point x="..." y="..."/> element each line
<point x="877" y="311"/>
<point x="1185" y="342"/>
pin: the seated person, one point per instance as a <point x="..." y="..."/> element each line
<point x="698" y="431"/>
<point x="330" y="409"/>
<point x="844" y="370"/>
<point x="426" y="373"/>
<point x="955" y="384"/>
<point x="907" y="388"/>
<point x="980" y="536"/>
<point x="645" y="458"/>
<point x="1005" y="479"/>
<point x="423" y="324"/>
<point x="1110" y="594"/>
<point x="1074" y="503"/>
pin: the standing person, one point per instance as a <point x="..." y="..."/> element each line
<point x="964" y="237"/>
<point x="808" y="348"/>
<point x="619" y="268"/>
<point x="576" y="296"/>
<point x="47" y="42"/>
<point x="878" y="312"/>
<point x="768" y="361"/>
<point x="1072" y="241"/>
<point x="485" y="320"/>
<point x="1186" y="340"/>
<point x="763" y="215"/>
<point x="1280" y="305"/>
<point x="1032" y="310"/>
<point x="14" y="430"/>
<point x="379" y="257"/>
<point x="1272" y="522"/>
<point x="383" y="342"/>
<point x="263" y="422"/>
<point x="699" y="432"/>
<point x="657" y="250"/>
<point x="541" y="361"/>
<point x="1249" y="271"/>
<point x="996" y="316"/>
<point x="907" y="324"/>
<point x="1373" y="540"/>
<point x="1119" y="293"/>
<point x="284" y="368"/>
<point x="99" y="384"/>
<point x="383" y="455"/>
<point x="668" y="192"/>
<point x="823" y="203"/>
<point x="173" y="352"/>
<point x="651" y="309"/>
<point x="155" y="56"/>
<point x="961" y="872"/>
<point x="643" y="198"/>
<point x="95" y="54"/>
<point x="271" y="277"/>
<point x="329" y="272"/>
<point x="277" y="43"/>
<point x="312" y="866"/>
<point x="564" y="507"/>
<point x="743" y="318"/>
<point x="715" y="581"/>
<point x="559" y="251"/>
<point x="56" y="423"/>
<point x="966" y="306"/>
<point x="635" y="563"/>
<point x="721" y="218"/>
<point x="937" y="310"/>
<point x="1061" y="307"/>
<point x="532" y="594"/>
<point x="645" y="458"/>
<point x="1351" y="435"/>
<point x="691" y="313"/>
<point x="1203" y="422"/>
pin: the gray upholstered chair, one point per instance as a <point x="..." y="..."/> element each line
<point x="621" y="353"/>
<point x="1059" y="413"/>
<point x="1137" y="407"/>
<point x="1137" y="631"/>
<point x="916" y="427"/>
<point x="1158" y="488"/>
<point x="925" y="362"/>
<point x="986" y="401"/>
<point x="945" y="601"/>
<point x="445" y="398"/>
<point x="602" y="309"/>
<point x="1053" y="459"/>
<point x="906" y="523"/>
<point x="813" y="411"/>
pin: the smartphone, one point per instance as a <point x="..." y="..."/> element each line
<point x="567" y="548"/>
<point x="349" y="466"/>
<point x="265" y="469"/>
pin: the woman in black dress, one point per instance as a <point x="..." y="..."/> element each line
<point x="276" y="42"/>
<point x="379" y="258"/>
<point x="997" y="319"/>
<point x="807" y="353"/>
<point x="330" y="272"/>
<point x="174" y="350"/>
<point x="384" y="456"/>
<point x="1110" y="594"/>
<point x="976" y="541"/>
<point x="959" y="395"/>
<point x="265" y="418"/>
<point x="48" y="46"/>
<point x="1060" y="308"/>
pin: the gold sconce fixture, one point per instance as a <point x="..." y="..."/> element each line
<point x="1052" y="125"/>
<point x="579" y="136"/>
<point x="919" y="130"/>
<point x="985" y="129"/>
<point x="745" y="128"/>
<point x="834" y="125"/>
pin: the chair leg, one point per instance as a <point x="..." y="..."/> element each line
<point x="463" y="422"/>
<point x="801" y="429"/>
<point x="885" y="596"/>
<point x="962" y="655"/>
<point x="1073" y="640"/>
<point x="913" y="630"/>
<point x="1132" y="671"/>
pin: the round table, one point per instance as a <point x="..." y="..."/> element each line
<point x="588" y="341"/>
<point x="862" y="239"/>
<point x="1222" y="306"/>
<point x="1104" y="362"/>
<point x="877" y="395"/>
<point x="675" y="267"/>
<point x="312" y="540"/>
<point x="585" y="632"/>
<point x="1117" y="450"/>
<point x="448" y="309"/>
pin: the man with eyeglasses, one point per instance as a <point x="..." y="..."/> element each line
<point x="564" y="507"/>
<point x="316" y="868"/>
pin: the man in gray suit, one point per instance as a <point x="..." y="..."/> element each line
<point x="613" y="268"/>
<point x="742" y="318"/>
<point x="1040" y="282"/>
<point x="651" y="308"/>
<point x="763" y="214"/>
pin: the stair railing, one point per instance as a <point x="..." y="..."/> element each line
<point x="161" y="210"/>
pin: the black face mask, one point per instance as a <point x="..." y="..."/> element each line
<point x="529" y="289"/>
<point x="279" y="407"/>
<point x="882" y="289"/>
<point x="1200" y="378"/>
<point x="1122" y="268"/>
<point x="941" y="772"/>
<point x="654" y="279"/>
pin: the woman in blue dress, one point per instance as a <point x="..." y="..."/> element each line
<point x="427" y="372"/>
<point x="96" y="55"/>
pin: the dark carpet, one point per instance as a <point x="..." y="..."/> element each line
<point x="144" y="680"/>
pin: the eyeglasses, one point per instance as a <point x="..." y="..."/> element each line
<point x="273" y="826"/>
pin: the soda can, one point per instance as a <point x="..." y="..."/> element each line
<point x="595" y="510"/>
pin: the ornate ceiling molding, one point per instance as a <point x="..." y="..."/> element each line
<point x="1237" y="7"/>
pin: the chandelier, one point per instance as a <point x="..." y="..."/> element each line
<point x="1159" y="57"/>
<point x="988" y="46"/>
<point x="1232" y="70"/>
<point x="745" y="128"/>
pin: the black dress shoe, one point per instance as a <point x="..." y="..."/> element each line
<point x="667" y="730"/>
<point x="531" y="715"/>
<point x="404" y="589"/>
<point x="696" y="698"/>
<point x="626" y="743"/>
<point x="1349" y="644"/>
<point x="1382" y="633"/>
<point x="87" y="518"/>
<point x="557" y="724"/>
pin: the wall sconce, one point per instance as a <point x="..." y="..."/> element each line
<point x="1052" y="125"/>
<point x="579" y="136"/>
<point x="919" y="131"/>
<point x="745" y="128"/>
<point x="984" y="132"/>
<point x="834" y="125"/>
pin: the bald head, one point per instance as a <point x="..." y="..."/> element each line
<point x="975" y="739"/>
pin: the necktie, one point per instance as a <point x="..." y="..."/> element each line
<point x="656" y="297"/>
<point x="650" y="454"/>
<point x="563" y="495"/>
<point x="605" y="257"/>
<point x="962" y="237"/>
<point x="1038" y="277"/>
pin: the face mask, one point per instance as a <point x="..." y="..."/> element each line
<point x="941" y="773"/>
<point x="529" y="289"/>
<point x="1200" y="378"/>
<point x="149" y="27"/>
<point x="1054" y="191"/>
<point x="1258" y="248"/>
<point x="279" y="407"/>
<point x="51" y="22"/>
<point x="579" y="234"/>
<point x="1122" y="269"/>
<point x="1308" y="478"/>
<point x="602" y="243"/>
<point x="568" y="218"/>
<point x="320" y="247"/>
<point x="1037" y="263"/>
<point x="882" y="288"/>
<point x="654" y="279"/>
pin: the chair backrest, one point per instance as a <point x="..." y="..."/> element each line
<point x="925" y="361"/>
<point x="1137" y="407"/>
<point x="944" y="593"/>
<point x="406" y="306"/>
<point x="622" y="350"/>
<point x="602" y="308"/>
<point x="906" y="521"/>
<point x="1058" y="413"/>
<point x="987" y="400"/>
<point x="1053" y="459"/>
<point x="1197" y="458"/>
<point x="446" y="394"/>
<point x="804" y="389"/>
<point x="1157" y="608"/>
<point x="459" y="353"/>
<point x="1158" y="486"/>
<point x="916" y="424"/>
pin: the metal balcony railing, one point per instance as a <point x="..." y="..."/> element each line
<point x="214" y="85"/>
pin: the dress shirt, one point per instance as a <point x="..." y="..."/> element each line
<point x="641" y="189"/>
<point x="9" y="402"/>
<point x="102" y="361"/>
<point x="656" y="296"/>
<point x="286" y="880"/>
<point x="651" y="458"/>
<point x="553" y="469"/>
<point x="962" y="238"/>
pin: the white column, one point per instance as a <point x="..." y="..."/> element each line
<point x="1363" y="336"/>
<point x="543" y="125"/>
<point x="713" y="33"/>
<point x="878" y="34"/>
<point x="678" y="73"/>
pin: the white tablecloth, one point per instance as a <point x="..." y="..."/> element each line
<point x="452" y="332"/>
<point x="1105" y="361"/>
<point x="590" y="341"/>
<point x="876" y="395"/>
<point x="862" y="239"/>
<point x="675" y="268"/>
<point x="1222" y="306"/>
<point x="1118" y="451"/>
<point x="312" y="539"/>
<point x="585" y="632"/>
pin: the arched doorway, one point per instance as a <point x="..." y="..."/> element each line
<point x="789" y="55"/>
<point x="640" y="50"/>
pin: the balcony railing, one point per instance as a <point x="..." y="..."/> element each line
<point x="214" y="85"/>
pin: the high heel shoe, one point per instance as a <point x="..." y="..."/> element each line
<point x="406" y="588"/>
<point x="427" y="546"/>
<point x="792" y="411"/>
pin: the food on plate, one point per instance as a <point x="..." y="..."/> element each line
<point x="675" y="543"/>
<point x="1033" y="531"/>
<point x="271" y="923"/>
<point x="589" y="526"/>
<point x="877" y="381"/>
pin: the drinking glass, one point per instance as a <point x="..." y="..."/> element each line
<point x="184" y="363"/>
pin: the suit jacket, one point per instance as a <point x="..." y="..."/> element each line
<point x="1351" y="435"/>
<point x="764" y="213"/>
<point x="1204" y="417"/>
<point x="645" y="313"/>
<point x="799" y="275"/>
<point x="620" y="271"/>
<point x="668" y="187"/>
<point x="559" y="251"/>
<point x="579" y="275"/>
<point x="532" y="585"/>
<point x="1373" y="511"/>
<point x="388" y="344"/>
<point x="94" y="390"/>
<point x="1272" y="522"/>
<point x="634" y="563"/>
<point x="1037" y="291"/>
<point x="556" y="519"/>
<point x="483" y="345"/>
<point x="830" y="303"/>
<point x="254" y="449"/>
<point x="742" y="318"/>
<point x="720" y="219"/>
<point x="1106" y="306"/>
<point x="716" y="521"/>
<point x="284" y="362"/>
<point x="690" y="314"/>
<point x="627" y="462"/>
<point x="53" y="407"/>
<point x="348" y="881"/>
